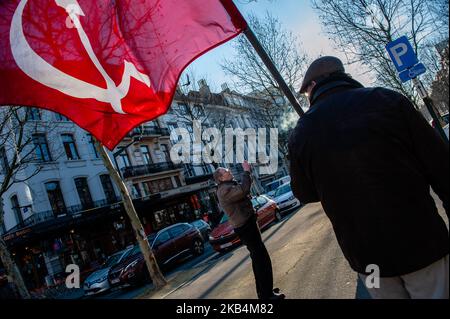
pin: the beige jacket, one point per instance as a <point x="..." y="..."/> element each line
<point x="235" y="200"/>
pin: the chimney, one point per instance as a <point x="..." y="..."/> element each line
<point x="225" y="87"/>
<point x="204" y="90"/>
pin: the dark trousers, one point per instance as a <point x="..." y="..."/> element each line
<point x="261" y="263"/>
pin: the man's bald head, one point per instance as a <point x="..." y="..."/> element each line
<point x="222" y="175"/>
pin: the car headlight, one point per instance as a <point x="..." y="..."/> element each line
<point x="211" y="238"/>
<point x="134" y="263"/>
<point x="102" y="279"/>
<point x="292" y="198"/>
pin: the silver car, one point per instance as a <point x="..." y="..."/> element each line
<point x="97" y="282"/>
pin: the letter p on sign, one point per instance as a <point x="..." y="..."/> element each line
<point x="402" y="54"/>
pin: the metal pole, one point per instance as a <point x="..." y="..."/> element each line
<point x="273" y="69"/>
<point x="430" y="107"/>
<point x="150" y="260"/>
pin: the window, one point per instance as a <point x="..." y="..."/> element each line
<point x="33" y="114"/>
<point x="4" y="165"/>
<point x="184" y="108"/>
<point x="178" y="230"/>
<point x="84" y="193"/>
<point x="108" y="188"/>
<point x="56" y="198"/>
<point x="70" y="147"/>
<point x="61" y="118"/>
<point x="41" y="148"/>
<point x="189" y="170"/>
<point x="162" y="238"/>
<point x="160" y="185"/>
<point x="136" y="190"/>
<point x="146" y="154"/>
<point x="165" y="150"/>
<point x="92" y="145"/>
<point x="124" y="158"/>
<point x="177" y="181"/>
<point x="206" y="169"/>
<point x="16" y="209"/>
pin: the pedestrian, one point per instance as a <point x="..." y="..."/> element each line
<point x="370" y="158"/>
<point x="235" y="200"/>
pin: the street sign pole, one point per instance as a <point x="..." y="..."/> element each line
<point x="430" y="107"/>
<point x="409" y="68"/>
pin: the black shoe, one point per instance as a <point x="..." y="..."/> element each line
<point x="277" y="296"/>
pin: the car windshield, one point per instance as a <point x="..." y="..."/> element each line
<point x="198" y="223"/>
<point x="272" y="186"/>
<point x="255" y="202"/>
<point x="224" y="218"/>
<point x="283" y="190"/>
<point x="112" y="260"/>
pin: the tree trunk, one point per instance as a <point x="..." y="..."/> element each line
<point x="14" y="275"/>
<point x="155" y="273"/>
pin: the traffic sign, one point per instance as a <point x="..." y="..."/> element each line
<point x="413" y="72"/>
<point x="402" y="54"/>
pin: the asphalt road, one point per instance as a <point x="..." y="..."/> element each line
<point x="307" y="264"/>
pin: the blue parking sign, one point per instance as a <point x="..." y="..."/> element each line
<point x="402" y="54"/>
<point x="413" y="72"/>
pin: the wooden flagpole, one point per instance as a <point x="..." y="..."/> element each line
<point x="155" y="273"/>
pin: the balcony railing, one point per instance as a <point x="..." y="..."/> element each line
<point x="150" y="131"/>
<point x="41" y="217"/>
<point x="141" y="170"/>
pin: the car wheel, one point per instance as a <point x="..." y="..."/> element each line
<point x="278" y="216"/>
<point x="198" y="247"/>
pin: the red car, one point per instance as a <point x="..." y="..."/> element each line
<point x="168" y="245"/>
<point x="223" y="236"/>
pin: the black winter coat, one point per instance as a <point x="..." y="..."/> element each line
<point x="370" y="158"/>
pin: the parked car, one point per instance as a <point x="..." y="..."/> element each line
<point x="271" y="187"/>
<point x="285" y="199"/>
<point x="98" y="281"/>
<point x="203" y="227"/>
<point x="3" y="277"/>
<point x="168" y="245"/>
<point x="223" y="236"/>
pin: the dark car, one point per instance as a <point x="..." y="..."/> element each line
<point x="203" y="227"/>
<point x="223" y="236"/>
<point x="3" y="277"/>
<point x="168" y="245"/>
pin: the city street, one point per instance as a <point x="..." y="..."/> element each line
<point x="307" y="263"/>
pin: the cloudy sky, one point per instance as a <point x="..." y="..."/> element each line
<point x="297" y="16"/>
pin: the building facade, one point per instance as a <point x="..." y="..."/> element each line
<point x="66" y="209"/>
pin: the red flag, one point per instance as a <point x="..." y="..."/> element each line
<point x="108" y="65"/>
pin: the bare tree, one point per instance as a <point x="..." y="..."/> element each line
<point x="362" y="28"/>
<point x="252" y="77"/>
<point x="18" y="164"/>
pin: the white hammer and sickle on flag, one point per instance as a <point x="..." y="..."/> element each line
<point x="41" y="71"/>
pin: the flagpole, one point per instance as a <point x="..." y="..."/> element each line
<point x="252" y="38"/>
<point x="155" y="273"/>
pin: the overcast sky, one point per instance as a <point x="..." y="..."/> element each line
<point x="297" y="16"/>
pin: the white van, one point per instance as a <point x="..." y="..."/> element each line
<point x="273" y="186"/>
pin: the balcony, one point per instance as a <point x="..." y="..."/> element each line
<point x="142" y="170"/>
<point x="41" y="217"/>
<point x="150" y="131"/>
